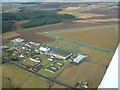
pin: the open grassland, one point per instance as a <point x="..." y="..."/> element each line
<point x="17" y="78"/>
<point x="10" y="35"/>
<point x="89" y="72"/>
<point x="16" y="75"/>
<point x="35" y="82"/>
<point x="106" y="37"/>
<point x="6" y="83"/>
<point x="65" y="45"/>
<point x="96" y="56"/>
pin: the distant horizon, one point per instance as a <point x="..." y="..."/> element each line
<point x="74" y="1"/>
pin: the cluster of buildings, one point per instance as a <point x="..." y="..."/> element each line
<point x="54" y="67"/>
<point x="28" y="51"/>
<point x="61" y="54"/>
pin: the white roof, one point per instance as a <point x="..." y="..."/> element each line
<point x="45" y="49"/>
<point x="50" y="59"/>
<point x="34" y="60"/>
<point x="110" y="79"/>
<point x="21" y="56"/>
<point x="79" y="58"/>
<point x="18" y="40"/>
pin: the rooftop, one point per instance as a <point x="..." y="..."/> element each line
<point x="79" y="58"/>
<point x="61" y="52"/>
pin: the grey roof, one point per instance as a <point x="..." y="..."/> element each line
<point x="61" y="52"/>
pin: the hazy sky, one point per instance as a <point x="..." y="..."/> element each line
<point x="60" y="0"/>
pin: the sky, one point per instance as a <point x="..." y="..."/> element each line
<point x="60" y="0"/>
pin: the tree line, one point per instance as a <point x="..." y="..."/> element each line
<point x="36" y="18"/>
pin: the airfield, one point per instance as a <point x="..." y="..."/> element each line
<point x="96" y="36"/>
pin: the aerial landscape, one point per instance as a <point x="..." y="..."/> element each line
<point x="57" y="44"/>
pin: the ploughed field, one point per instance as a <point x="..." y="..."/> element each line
<point x="99" y="37"/>
<point x="29" y="36"/>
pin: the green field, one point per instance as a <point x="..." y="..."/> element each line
<point x="66" y="45"/>
<point x="88" y="72"/>
<point x="103" y="37"/>
<point x="20" y="78"/>
<point x="35" y="82"/>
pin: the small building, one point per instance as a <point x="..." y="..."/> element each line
<point x="32" y="43"/>
<point x="44" y="49"/>
<point x="83" y="84"/>
<point x="3" y="48"/>
<point x="18" y="40"/>
<point x="34" y="60"/>
<point x="21" y="56"/>
<point x="37" y="51"/>
<point x="60" y="54"/>
<point x="51" y="69"/>
<point x="79" y="58"/>
<point x="50" y="59"/>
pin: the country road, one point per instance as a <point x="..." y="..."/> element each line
<point x="39" y="75"/>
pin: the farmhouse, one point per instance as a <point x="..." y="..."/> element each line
<point x="79" y="58"/>
<point x="60" y="54"/>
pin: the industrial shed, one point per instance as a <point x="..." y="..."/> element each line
<point x="60" y="54"/>
<point x="79" y="58"/>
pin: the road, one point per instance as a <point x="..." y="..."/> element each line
<point x="39" y="75"/>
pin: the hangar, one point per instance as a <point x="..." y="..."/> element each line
<point x="61" y="54"/>
<point x="79" y="58"/>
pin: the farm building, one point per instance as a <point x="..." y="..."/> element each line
<point x="79" y="58"/>
<point x="60" y="54"/>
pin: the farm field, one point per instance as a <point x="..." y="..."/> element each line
<point x="97" y="14"/>
<point x="35" y="82"/>
<point x="75" y="11"/>
<point x="29" y="36"/>
<point x="88" y="29"/>
<point x="100" y="37"/>
<point x="20" y="79"/>
<point x="6" y="83"/>
<point x="96" y="56"/>
<point x="92" y="73"/>
<point x="10" y="35"/>
<point x="14" y="74"/>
